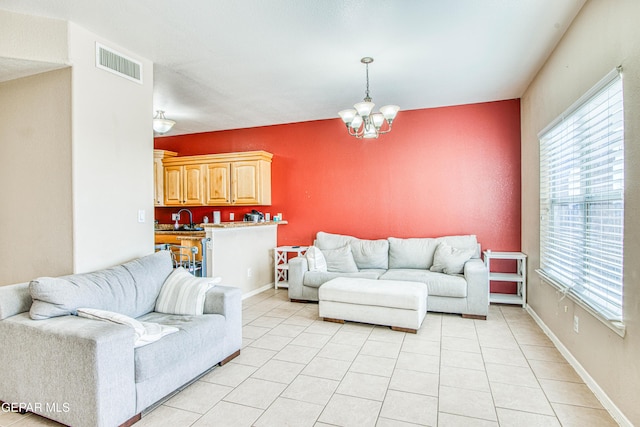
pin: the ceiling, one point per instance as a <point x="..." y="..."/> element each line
<point x="224" y="64"/>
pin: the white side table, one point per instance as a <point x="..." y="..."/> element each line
<point x="281" y="264"/>
<point x="519" y="277"/>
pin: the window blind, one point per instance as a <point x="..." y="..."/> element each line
<point x="582" y="198"/>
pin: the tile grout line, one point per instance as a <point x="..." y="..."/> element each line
<point x="555" y="414"/>
<point x="484" y="364"/>
<point x="347" y="371"/>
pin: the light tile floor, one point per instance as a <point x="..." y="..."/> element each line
<point x="296" y="370"/>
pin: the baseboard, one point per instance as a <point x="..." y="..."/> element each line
<point x="257" y="291"/>
<point x="606" y="402"/>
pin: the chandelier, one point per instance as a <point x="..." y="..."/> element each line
<point x="161" y="124"/>
<point x="360" y="120"/>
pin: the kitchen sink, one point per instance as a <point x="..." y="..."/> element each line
<point x="190" y="228"/>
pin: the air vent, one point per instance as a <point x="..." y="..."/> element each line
<point x="117" y="63"/>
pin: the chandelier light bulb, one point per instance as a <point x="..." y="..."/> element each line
<point x="356" y="122"/>
<point x="364" y="108"/>
<point x="389" y="112"/>
<point x="347" y="115"/>
<point x="378" y="120"/>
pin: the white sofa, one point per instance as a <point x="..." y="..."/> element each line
<point x="87" y="373"/>
<point x="456" y="284"/>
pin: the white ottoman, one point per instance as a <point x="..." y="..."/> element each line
<point x="399" y="304"/>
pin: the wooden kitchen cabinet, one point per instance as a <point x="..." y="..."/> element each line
<point x="183" y="185"/>
<point x="173" y="185"/>
<point x="218" y="191"/>
<point x="218" y="179"/>
<point x="158" y="174"/>
<point x="251" y="183"/>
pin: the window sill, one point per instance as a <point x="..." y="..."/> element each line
<point x="616" y="326"/>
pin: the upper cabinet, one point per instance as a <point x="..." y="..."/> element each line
<point x="251" y="182"/>
<point x="158" y="174"/>
<point x="218" y="179"/>
<point x="183" y="185"/>
<point x="218" y="184"/>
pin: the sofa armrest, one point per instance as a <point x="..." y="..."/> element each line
<point x="227" y="301"/>
<point x="14" y="299"/>
<point x="77" y="371"/>
<point x="477" y="277"/>
<point x="298" y="266"/>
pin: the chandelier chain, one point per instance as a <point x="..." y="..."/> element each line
<point x="367" y="97"/>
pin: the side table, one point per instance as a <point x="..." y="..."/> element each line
<point x="519" y="277"/>
<point x="281" y="264"/>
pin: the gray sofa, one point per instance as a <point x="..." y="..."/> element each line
<point x="85" y="372"/>
<point x="465" y="292"/>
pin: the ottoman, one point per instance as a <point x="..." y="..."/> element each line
<point x="399" y="304"/>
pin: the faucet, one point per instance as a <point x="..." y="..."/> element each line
<point x="190" y="216"/>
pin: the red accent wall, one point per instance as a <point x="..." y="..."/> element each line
<point x="441" y="171"/>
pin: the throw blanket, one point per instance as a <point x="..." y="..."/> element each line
<point x="146" y="332"/>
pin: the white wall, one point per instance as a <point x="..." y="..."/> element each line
<point x="35" y="157"/>
<point x="112" y="158"/>
<point x="86" y="136"/>
<point x="605" y="34"/>
<point x="32" y="38"/>
<point x="236" y="250"/>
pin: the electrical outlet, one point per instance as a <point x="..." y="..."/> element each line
<point x="175" y="217"/>
<point x="232" y="216"/>
<point x="566" y="308"/>
<point x="249" y="272"/>
<point x="576" y="324"/>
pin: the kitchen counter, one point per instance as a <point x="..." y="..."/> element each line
<point x="182" y="233"/>
<point x="168" y="228"/>
<point x="197" y="236"/>
<point x="238" y="224"/>
<point x="241" y="253"/>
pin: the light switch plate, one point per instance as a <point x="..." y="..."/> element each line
<point x="141" y="215"/>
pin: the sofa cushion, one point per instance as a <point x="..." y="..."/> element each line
<point x="182" y="293"/>
<point x="340" y="260"/>
<point x="412" y="252"/>
<point x="196" y="334"/>
<point x="315" y="259"/>
<point x="315" y="279"/>
<point x="366" y="253"/>
<point x="370" y="253"/>
<point x="450" y="260"/>
<point x="332" y="241"/>
<point x="468" y="241"/>
<point x="439" y="284"/>
<point x="130" y="289"/>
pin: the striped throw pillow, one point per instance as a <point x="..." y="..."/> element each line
<point x="183" y="293"/>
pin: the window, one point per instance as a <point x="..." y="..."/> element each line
<point x="582" y="199"/>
